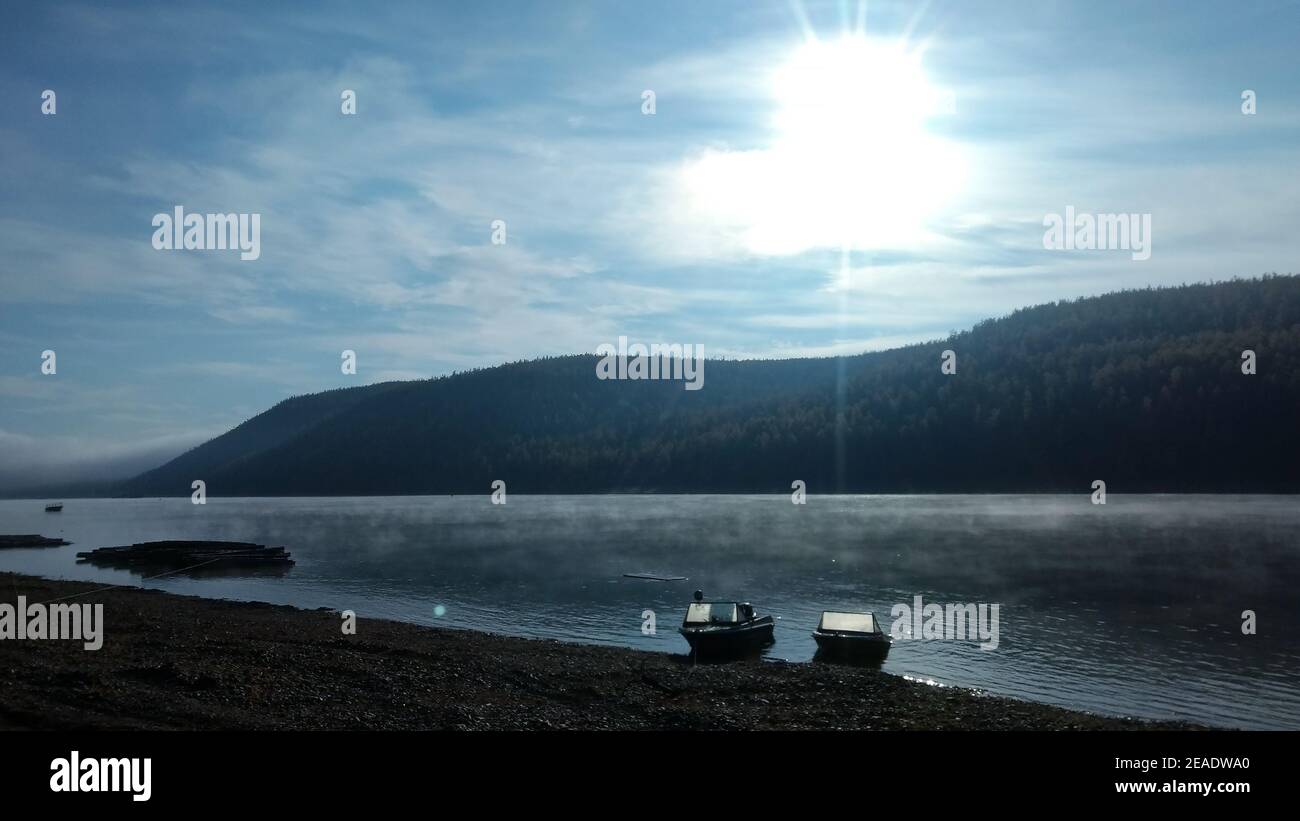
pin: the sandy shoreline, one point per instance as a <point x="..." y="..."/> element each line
<point x="182" y="662"/>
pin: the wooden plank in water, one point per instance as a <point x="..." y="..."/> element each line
<point x="176" y="553"/>
<point x="30" y="540"/>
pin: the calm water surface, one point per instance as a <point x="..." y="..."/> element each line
<point x="1129" y="608"/>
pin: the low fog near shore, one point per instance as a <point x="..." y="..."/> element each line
<point x="33" y="465"/>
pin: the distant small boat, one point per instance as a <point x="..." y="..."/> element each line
<point x="725" y="628"/>
<point x="850" y="636"/>
<point x="54" y="508"/>
<point x="654" y="577"/>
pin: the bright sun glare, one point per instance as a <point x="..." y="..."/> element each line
<point x="851" y="163"/>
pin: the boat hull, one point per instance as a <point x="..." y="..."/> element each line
<point x="730" y="641"/>
<point x="852" y="647"/>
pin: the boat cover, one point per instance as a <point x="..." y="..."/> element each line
<point x="849" y="622"/>
<point x="711" y="613"/>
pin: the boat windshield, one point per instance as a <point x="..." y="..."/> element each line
<point x="711" y="613"/>
<point x="849" y="622"/>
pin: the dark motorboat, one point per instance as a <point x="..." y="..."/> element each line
<point x="54" y="508"/>
<point x="850" y="637"/>
<point x="725" y="628"/>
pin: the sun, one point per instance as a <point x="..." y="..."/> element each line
<point x="851" y="88"/>
<point x="851" y="162"/>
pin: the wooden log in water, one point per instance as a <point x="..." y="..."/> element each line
<point x="179" y="554"/>
<point x="29" y="540"/>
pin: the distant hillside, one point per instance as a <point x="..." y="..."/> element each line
<point x="263" y="432"/>
<point x="1143" y="389"/>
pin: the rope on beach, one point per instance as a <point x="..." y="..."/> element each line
<point x="120" y="586"/>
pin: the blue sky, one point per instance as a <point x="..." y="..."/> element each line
<point x="672" y="227"/>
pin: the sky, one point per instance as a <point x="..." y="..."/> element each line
<point x="808" y="179"/>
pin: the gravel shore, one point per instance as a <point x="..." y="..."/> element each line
<point x="181" y="662"/>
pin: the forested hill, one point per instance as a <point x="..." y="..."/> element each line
<point x="1142" y="389"/>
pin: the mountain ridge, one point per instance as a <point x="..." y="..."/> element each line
<point x="1141" y="388"/>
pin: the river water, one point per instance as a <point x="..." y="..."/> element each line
<point x="1129" y="608"/>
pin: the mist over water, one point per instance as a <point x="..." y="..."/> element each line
<point x="1130" y="608"/>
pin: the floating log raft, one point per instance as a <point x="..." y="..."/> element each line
<point x="30" y="540"/>
<point x="179" y="555"/>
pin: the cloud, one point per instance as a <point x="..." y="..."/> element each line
<point x="837" y="347"/>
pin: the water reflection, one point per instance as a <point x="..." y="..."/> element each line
<point x="213" y="572"/>
<point x="859" y="660"/>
